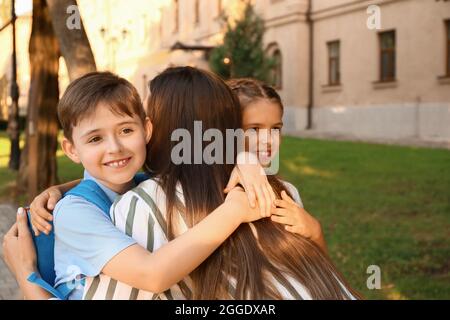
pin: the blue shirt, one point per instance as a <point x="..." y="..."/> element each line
<point x="85" y="239"/>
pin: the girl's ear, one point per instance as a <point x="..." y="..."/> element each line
<point x="69" y="149"/>
<point x="148" y="127"/>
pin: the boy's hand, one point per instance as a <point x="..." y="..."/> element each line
<point x="252" y="177"/>
<point x="296" y="219"/>
<point x="237" y="198"/>
<point x="40" y="210"/>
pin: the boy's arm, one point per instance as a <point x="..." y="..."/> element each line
<point x="44" y="203"/>
<point x="158" y="271"/>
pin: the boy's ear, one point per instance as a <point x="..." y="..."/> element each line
<point x="69" y="149"/>
<point x="148" y="127"/>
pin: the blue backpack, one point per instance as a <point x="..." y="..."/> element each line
<point x="44" y="244"/>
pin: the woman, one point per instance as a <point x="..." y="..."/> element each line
<point x="260" y="260"/>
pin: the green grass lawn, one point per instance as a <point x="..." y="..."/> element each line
<point x="378" y="205"/>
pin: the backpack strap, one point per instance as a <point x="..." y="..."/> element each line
<point x="141" y="177"/>
<point x="37" y="280"/>
<point x="44" y="245"/>
<point x="93" y="193"/>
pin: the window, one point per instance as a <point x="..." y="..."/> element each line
<point x="334" y="71"/>
<point x="448" y="47"/>
<point x="197" y="12"/>
<point x="387" y="56"/>
<point x="176" y="16"/>
<point x="276" y="73"/>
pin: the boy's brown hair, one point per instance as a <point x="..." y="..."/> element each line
<point x="83" y="95"/>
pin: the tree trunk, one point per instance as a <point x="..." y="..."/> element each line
<point x="72" y="39"/>
<point x="38" y="164"/>
<point x="50" y="34"/>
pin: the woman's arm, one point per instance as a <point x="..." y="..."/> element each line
<point x="158" y="271"/>
<point x="20" y="257"/>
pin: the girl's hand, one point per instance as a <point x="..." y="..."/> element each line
<point x="296" y="219"/>
<point x="18" y="248"/>
<point x="40" y="210"/>
<point x="238" y="201"/>
<point x="252" y="177"/>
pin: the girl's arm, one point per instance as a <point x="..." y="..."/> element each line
<point x="158" y="271"/>
<point x="44" y="203"/>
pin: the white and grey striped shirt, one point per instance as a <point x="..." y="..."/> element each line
<point x="140" y="213"/>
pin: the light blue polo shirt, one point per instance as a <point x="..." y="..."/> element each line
<point x="85" y="239"/>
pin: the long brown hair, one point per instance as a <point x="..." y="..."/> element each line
<point x="180" y="96"/>
<point x="249" y="90"/>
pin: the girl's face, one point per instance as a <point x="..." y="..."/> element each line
<point x="264" y="118"/>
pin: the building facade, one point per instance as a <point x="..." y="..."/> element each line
<point x="365" y="68"/>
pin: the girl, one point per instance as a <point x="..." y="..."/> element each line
<point x="262" y="114"/>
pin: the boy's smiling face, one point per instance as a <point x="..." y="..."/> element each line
<point x="111" y="147"/>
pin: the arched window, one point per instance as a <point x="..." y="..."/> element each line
<point x="276" y="73"/>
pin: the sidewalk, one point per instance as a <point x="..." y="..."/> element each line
<point x="411" y="142"/>
<point x="8" y="285"/>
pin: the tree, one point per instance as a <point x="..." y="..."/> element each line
<point x="242" y="53"/>
<point x="49" y="34"/>
<point x="38" y="162"/>
<point x="72" y="37"/>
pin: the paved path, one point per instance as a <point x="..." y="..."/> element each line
<point x="8" y="285"/>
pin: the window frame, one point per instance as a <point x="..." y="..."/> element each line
<point x="447" y="34"/>
<point x="334" y="59"/>
<point x="392" y="53"/>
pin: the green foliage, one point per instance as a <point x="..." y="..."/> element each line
<point x="243" y="46"/>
